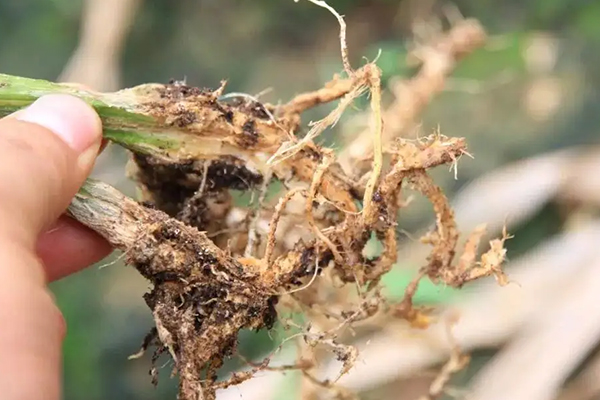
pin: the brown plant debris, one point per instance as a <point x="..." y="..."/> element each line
<point x="216" y="269"/>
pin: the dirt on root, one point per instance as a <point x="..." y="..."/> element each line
<point x="205" y="290"/>
<point x="200" y="300"/>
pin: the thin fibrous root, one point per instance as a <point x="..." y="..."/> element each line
<point x="437" y="61"/>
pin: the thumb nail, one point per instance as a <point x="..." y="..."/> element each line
<point x="69" y="118"/>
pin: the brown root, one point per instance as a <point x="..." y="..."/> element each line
<point x="200" y="298"/>
<point x="212" y="277"/>
<point x="437" y="59"/>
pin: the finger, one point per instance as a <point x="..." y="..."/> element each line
<point x="69" y="247"/>
<point x="32" y="330"/>
<point x="16" y="115"/>
<point x="45" y="154"/>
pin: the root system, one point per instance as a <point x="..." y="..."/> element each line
<point x="191" y="147"/>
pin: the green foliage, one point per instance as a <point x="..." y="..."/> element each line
<point x="488" y="63"/>
<point x="428" y="293"/>
<point x="81" y="349"/>
<point x="587" y="21"/>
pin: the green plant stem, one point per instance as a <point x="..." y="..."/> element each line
<point x="124" y="122"/>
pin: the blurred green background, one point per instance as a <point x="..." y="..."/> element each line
<point x="291" y="47"/>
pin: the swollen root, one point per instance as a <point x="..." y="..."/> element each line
<point x="200" y="298"/>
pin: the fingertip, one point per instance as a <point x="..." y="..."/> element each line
<point x="46" y="152"/>
<point x="70" y="118"/>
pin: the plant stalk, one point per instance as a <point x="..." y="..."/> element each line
<point x="107" y="211"/>
<point x="178" y="124"/>
<point x="127" y="118"/>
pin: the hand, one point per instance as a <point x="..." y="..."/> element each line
<point x="46" y="152"/>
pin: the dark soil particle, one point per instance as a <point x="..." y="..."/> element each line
<point x="250" y="135"/>
<point x="258" y="110"/>
<point x="184" y="118"/>
<point x="171" y="185"/>
<point x="360" y="242"/>
<point x="307" y="265"/>
<point x="270" y="317"/>
<point x="232" y="174"/>
<point x="148" y="205"/>
<point x="355" y="194"/>
<point x="165" y="276"/>
<point x="341" y="356"/>
<point x="168" y="184"/>
<point x="206" y="211"/>
<point x="150" y="300"/>
<point x="377" y="197"/>
<point x="306" y="256"/>
<point x="252" y="108"/>
<point x="312" y="154"/>
<point x="224" y="109"/>
<point x="228" y="115"/>
<point x="179" y="90"/>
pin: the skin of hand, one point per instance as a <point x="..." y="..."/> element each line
<point x="46" y="152"/>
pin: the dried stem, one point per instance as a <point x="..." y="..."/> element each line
<point x="108" y="212"/>
<point x="375" y="85"/>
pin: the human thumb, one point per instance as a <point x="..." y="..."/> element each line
<point x="46" y="152"/>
